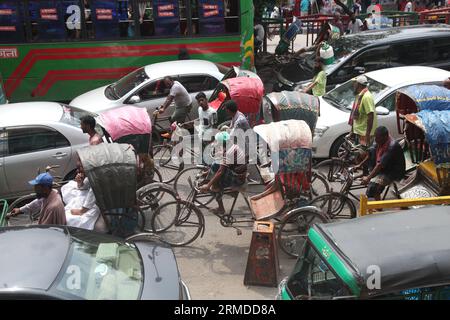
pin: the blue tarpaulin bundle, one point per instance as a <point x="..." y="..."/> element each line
<point x="437" y="127"/>
<point x="429" y="97"/>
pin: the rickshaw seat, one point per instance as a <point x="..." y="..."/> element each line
<point x="295" y="183"/>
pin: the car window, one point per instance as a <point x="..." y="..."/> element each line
<point x="132" y="80"/>
<point x="440" y="51"/>
<point x="3" y="143"/>
<point x="388" y="102"/>
<point x="409" y="53"/>
<point x="155" y="89"/>
<point x="373" y="59"/>
<point x="26" y="140"/>
<point x="198" y="83"/>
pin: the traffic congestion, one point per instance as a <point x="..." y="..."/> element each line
<point x="224" y="150"/>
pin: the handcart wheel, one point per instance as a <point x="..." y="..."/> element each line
<point x="183" y="185"/>
<point x="294" y="228"/>
<point x="167" y="163"/>
<point x="335" y="206"/>
<point x="150" y="197"/>
<point x="178" y="223"/>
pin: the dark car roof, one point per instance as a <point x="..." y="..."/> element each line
<point x="31" y="257"/>
<point x="411" y="248"/>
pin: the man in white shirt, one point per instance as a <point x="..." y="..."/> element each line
<point x="355" y="25"/>
<point x="183" y="101"/>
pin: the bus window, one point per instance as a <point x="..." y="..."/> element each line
<point x="211" y="15"/>
<point x="146" y="22"/>
<point x="54" y="20"/>
<point x="231" y="16"/>
<point x="166" y="14"/>
<point x="11" y="22"/>
<point x="104" y="16"/>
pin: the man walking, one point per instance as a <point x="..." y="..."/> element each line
<point x="363" y="118"/>
<point x="48" y="202"/>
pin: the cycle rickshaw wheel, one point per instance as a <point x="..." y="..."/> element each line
<point x="183" y="185"/>
<point x="335" y="206"/>
<point x="167" y="164"/>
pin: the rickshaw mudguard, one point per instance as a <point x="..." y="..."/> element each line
<point x="340" y="267"/>
<point x="111" y="170"/>
<point x="294" y="105"/>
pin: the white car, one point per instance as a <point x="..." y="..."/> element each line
<point x="34" y="135"/>
<point x="335" y="106"/>
<point x="144" y="88"/>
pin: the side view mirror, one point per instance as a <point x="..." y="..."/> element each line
<point x="359" y="70"/>
<point x="134" y="99"/>
<point x="382" y="111"/>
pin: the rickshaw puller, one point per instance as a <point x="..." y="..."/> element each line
<point x="230" y="172"/>
<point x="388" y="162"/>
<point x="88" y="126"/>
<point x="48" y="202"/>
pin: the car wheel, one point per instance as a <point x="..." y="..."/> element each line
<point x="336" y="149"/>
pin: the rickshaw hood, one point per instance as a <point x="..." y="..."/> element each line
<point x="428" y="97"/>
<point x="246" y="92"/>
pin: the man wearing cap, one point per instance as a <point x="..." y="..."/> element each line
<point x="48" y="202"/>
<point x="363" y="117"/>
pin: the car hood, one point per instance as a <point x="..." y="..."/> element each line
<point x="161" y="277"/>
<point x="330" y="115"/>
<point x="93" y="101"/>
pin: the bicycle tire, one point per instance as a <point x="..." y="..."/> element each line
<point x="151" y="196"/>
<point x="182" y="176"/>
<point x="319" y="183"/>
<point x="162" y="157"/>
<point x="187" y="217"/>
<point x="294" y="227"/>
<point x="333" y="204"/>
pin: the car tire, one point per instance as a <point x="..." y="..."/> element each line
<point x="334" y="150"/>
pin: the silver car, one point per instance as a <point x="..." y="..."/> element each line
<point x="34" y="135"/>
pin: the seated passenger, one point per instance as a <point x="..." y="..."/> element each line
<point x="81" y="209"/>
<point x="386" y="161"/>
<point x="228" y="172"/>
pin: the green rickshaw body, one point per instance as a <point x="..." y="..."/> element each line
<point x="375" y="257"/>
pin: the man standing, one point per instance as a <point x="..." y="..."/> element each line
<point x="363" y="117"/>
<point x="48" y="202"/>
<point x="386" y="161"/>
<point x="207" y="118"/>
<point x="238" y="120"/>
<point x="88" y="126"/>
<point x="183" y="101"/>
<point x="355" y="25"/>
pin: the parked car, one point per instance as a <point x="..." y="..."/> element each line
<point x="144" y="87"/>
<point x="335" y="105"/>
<point x="34" y="135"/>
<point x="425" y="45"/>
<point x="391" y="256"/>
<point x="60" y="262"/>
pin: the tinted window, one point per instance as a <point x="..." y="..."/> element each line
<point x="11" y="22"/>
<point x="156" y="89"/>
<point x="440" y="52"/>
<point x="28" y="140"/>
<point x="3" y="143"/>
<point x="389" y="102"/>
<point x="409" y="53"/>
<point x="198" y="83"/>
<point x="373" y="59"/>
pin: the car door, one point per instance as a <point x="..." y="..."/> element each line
<point x="151" y="95"/>
<point x="30" y="149"/>
<point x="390" y="120"/>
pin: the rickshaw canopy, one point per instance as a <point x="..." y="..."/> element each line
<point x="125" y="121"/>
<point x="296" y="105"/>
<point x="246" y="92"/>
<point x="389" y="241"/>
<point x="290" y="143"/>
<point x="111" y="170"/>
<point x="428" y="97"/>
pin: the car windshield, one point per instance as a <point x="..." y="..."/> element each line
<point x="120" y="88"/>
<point x="100" y="269"/>
<point x="313" y="278"/>
<point x="343" y="96"/>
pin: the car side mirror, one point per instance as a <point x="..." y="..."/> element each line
<point x="359" y="70"/>
<point x="382" y="111"/>
<point x="134" y="100"/>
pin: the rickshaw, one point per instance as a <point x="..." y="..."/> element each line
<point x="423" y="116"/>
<point x="290" y="146"/>
<point x="132" y="125"/>
<point x="375" y="257"/>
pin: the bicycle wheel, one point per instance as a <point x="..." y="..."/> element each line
<point x="150" y="197"/>
<point x="294" y="228"/>
<point x="167" y="163"/>
<point x="319" y="184"/>
<point x="335" y="206"/>
<point x="183" y="184"/>
<point x="178" y="223"/>
<point x="23" y="219"/>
